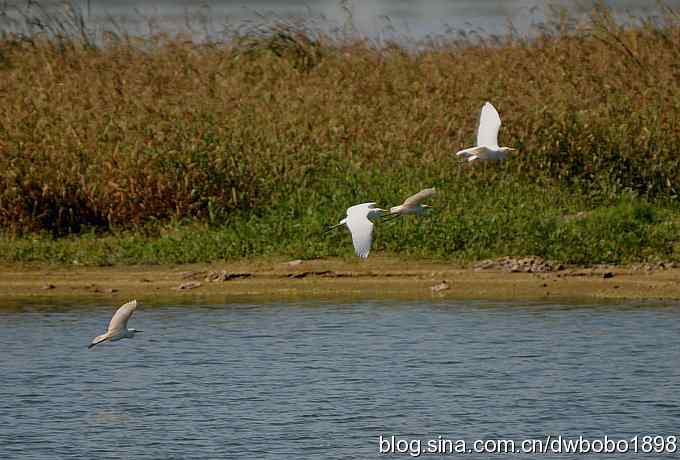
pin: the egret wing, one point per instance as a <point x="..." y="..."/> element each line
<point x="362" y="233"/>
<point x="466" y="153"/>
<point x="489" y="124"/>
<point x="490" y="154"/>
<point x="360" y="209"/>
<point x="122" y="315"/>
<point x="415" y="200"/>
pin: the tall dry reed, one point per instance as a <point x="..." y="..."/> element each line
<point x="123" y="133"/>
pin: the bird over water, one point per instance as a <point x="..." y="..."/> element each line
<point x="118" y="326"/>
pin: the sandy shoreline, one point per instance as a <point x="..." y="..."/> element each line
<point x="379" y="278"/>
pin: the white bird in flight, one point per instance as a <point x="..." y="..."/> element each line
<point x="414" y="203"/>
<point x="487" y="138"/>
<point x="359" y="221"/>
<point x="118" y="325"/>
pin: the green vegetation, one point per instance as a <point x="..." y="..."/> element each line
<point x="169" y="152"/>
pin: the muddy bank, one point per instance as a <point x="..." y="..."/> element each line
<point x="378" y="278"/>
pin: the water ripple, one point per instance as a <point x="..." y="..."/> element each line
<point x="291" y="381"/>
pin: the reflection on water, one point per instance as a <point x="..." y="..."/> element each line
<point x="323" y="381"/>
<point x="375" y="19"/>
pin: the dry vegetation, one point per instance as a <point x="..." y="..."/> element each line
<point x="293" y="125"/>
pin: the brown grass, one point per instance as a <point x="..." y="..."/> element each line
<point x="127" y="133"/>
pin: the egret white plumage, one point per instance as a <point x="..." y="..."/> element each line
<point x="487" y="138"/>
<point x="414" y="203"/>
<point x="359" y="221"/>
<point x="118" y="326"/>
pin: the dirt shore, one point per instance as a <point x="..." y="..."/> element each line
<point x="333" y="279"/>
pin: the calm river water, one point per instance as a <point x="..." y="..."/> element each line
<point x="376" y="19"/>
<point x="324" y="381"/>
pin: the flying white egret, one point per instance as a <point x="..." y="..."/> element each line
<point x="414" y="203"/>
<point x="359" y="222"/>
<point x="487" y="138"/>
<point x="118" y="325"/>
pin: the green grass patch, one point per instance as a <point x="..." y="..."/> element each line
<point x="467" y="223"/>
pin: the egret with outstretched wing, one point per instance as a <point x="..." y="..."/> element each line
<point x="487" y="138"/>
<point x="118" y="326"/>
<point x="359" y="221"/>
<point x="414" y="203"/>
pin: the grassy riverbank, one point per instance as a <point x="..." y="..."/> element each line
<point x="174" y="152"/>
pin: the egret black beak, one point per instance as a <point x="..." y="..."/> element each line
<point x="389" y="217"/>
